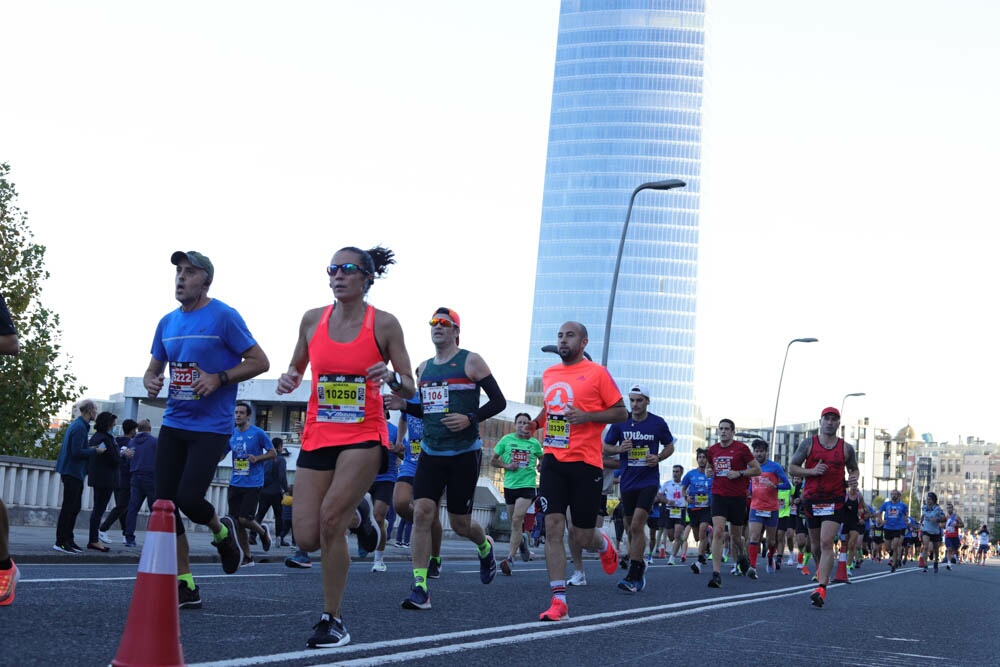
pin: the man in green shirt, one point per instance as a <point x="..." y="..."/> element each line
<point x="518" y="454"/>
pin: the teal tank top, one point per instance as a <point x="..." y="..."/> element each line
<point x="445" y="390"/>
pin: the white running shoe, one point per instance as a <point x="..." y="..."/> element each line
<point x="578" y="579"/>
<point x="379" y="566"/>
<point x="103" y="537"/>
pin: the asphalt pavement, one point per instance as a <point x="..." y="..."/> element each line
<point x="73" y="612"/>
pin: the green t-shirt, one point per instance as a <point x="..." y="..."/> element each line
<point x="784" y="503"/>
<point x="512" y="449"/>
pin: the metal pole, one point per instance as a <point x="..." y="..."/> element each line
<point x="655" y="185"/>
<point x="774" y="424"/>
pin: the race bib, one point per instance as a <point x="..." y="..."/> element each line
<point x="241" y="467"/>
<point x="823" y="509"/>
<point x="722" y="465"/>
<point x="519" y="457"/>
<point x="556" y="431"/>
<point x="340" y="398"/>
<point x="183" y="374"/>
<point x="434" y="398"/>
<point x="701" y="498"/>
<point x="675" y="513"/>
<point x="765" y="514"/>
<point x="637" y="456"/>
<point x="415" y="448"/>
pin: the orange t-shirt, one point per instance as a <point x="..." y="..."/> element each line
<point x="586" y="386"/>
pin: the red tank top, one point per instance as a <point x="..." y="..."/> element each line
<point x="344" y="407"/>
<point x="830" y="486"/>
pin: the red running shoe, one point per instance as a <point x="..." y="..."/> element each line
<point x="557" y="611"/>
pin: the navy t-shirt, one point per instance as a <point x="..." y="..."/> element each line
<point x="647" y="437"/>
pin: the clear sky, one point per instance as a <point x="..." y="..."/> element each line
<point x="849" y="152"/>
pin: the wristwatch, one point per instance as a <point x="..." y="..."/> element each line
<point x="396" y="383"/>
<point x="223" y="378"/>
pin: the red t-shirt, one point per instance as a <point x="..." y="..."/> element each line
<point x="723" y="459"/>
<point x="586" y="386"/>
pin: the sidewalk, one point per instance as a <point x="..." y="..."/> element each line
<point x="33" y="544"/>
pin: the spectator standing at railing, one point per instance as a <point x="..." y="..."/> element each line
<point x="142" y="455"/>
<point x="72" y="468"/>
<point x="102" y="474"/>
<point x="9" y="345"/>
<point x="123" y="490"/>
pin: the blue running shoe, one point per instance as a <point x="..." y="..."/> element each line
<point x="418" y="599"/>
<point x="488" y="564"/>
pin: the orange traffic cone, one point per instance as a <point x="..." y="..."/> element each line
<point x="663" y="552"/>
<point x="840" y="576"/>
<point x="152" y="632"/>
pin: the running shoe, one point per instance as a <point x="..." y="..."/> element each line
<point x="130" y="543"/>
<point x="75" y="548"/>
<point x="777" y="565"/>
<point x="947" y="566"/>
<point x="300" y="560"/>
<point x="632" y="585"/>
<point x="434" y="568"/>
<point x="557" y="611"/>
<point x="418" y="599"/>
<point x="623" y="562"/>
<point x="649" y="559"/>
<point x="64" y="548"/>
<point x="578" y="579"/>
<point x="248" y="561"/>
<point x="935" y="567"/>
<point x="671" y="561"/>
<point x="609" y="557"/>
<point x="8" y="583"/>
<point x="715" y="581"/>
<point x="770" y="563"/>
<point x="525" y="551"/>
<point x="103" y="537"/>
<point x="818" y="596"/>
<point x="743" y="563"/>
<point x="379" y="566"/>
<point x="735" y="570"/>
<point x="230" y="552"/>
<point x="751" y="572"/>
<point x="188" y="598"/>
<point x="488" y="564"/>
<point x="329" y="633"/>
<point x="696" y="567"/>
<point x="804" y="571"/>
<point x="684" y="558"/>
<point x="505" y="566"/>
<point x="265" y="539"/>
<point x="368" y="532"/>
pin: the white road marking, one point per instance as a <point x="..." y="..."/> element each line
<point x="132" y="578"/>
<point x="525" y="631"/>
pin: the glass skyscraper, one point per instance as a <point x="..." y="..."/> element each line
<point x="626" y="110"/>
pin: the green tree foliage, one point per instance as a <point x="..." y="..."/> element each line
<point x="35" y="384"/>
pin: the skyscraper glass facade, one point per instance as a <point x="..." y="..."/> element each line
<point x="626" y="110"/>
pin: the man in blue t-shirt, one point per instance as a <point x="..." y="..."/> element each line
<point x="642" y="441"/>
<point x="250" y="447"/>
<point x="697" y="488"/>
<point x="894" y="514"/>
<point x="209" y="351"/>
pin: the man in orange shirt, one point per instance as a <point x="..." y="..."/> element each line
<point x="580" y="398"/>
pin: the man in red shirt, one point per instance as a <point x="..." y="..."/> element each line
<point x="580" y="398"/>
<point x="821" y="461"/>
<point x="734" y="465"/>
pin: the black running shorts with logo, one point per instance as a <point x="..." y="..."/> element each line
<point x="572" y="484"/>
<point x="734" y="508"/>
<point x="642" y="499"/>
<point x="511" y="496"/>
<point x="459" y="474"/>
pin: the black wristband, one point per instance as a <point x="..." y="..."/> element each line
<point x="223" y="378"/>
<point x="473" y="419"/>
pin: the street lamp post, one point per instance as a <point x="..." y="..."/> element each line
<point x="553" y="349"/>
<point x="774" y="424"/>
<point x="655" y="185"/>
<point x="843" y="427"/>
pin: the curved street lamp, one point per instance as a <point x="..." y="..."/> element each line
<point x="774" y="424"/>
<point x="843" y="427"/>
<point x="555" y="350"/>
<point x="654" y="185"/>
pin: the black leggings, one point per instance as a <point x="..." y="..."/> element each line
<point x="185" y="467"/>
<point x="120" y="511"/>
<point x="102" y="495"/>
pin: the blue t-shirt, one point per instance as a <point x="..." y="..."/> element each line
<point x="647" y="437"/>
<point x="393" y="470"/>
<point x="242" y="444"/>
<point x="894" y="515"/>
<point x="699" y="487"/>
<point x="412" y="443"/>
<point x="930" y="523"/>
<point x="214" y="337"/>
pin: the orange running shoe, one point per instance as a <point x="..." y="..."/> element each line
<point x="804" y="570"/>
<point x="8" y="583"/>
<point x="818" y="596"/>
<point x="609" y="557"/>
<point x="557" y="611"/>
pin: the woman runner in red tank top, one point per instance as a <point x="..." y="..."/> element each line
<point x="345" y="438"/>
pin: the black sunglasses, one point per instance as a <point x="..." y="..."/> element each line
<point x="348" y="269"/>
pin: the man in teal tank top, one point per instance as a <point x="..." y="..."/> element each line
<point x="451" y="450"/>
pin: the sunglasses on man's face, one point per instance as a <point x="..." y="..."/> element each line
<point x="347" y="269"/>
<point x="447" y="324"/>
